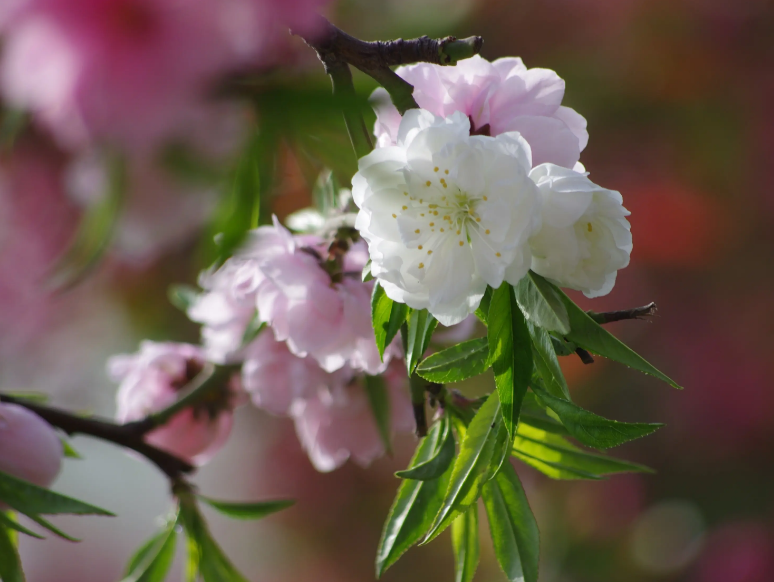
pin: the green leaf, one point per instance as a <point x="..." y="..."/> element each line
<point x="457" y="363"/>
<point x="514" y="531"/>
<point x="153" y="560"/>
<point x="95" y="231"/>
<point x="248" y="510"/>
<point x="562" y="347"/>
<point x="32" y="500"/>
<point x="325" y="193"/>
<point x="439" y="463"/>
<point x="52" y="528"/>
<point x="10" y="565"/>
<point x="541" y="305"/>
<point x="483" y="308"/>
<point x="182" y="296"/>
<point x="465" y="545"/>
<point x="387" y="317"/>
<point x="472" y="467"/>
<point x="9" y="522"/>
<point x="415" y="505"/>
<point x="510" y="351"/>
<point x="254" y="327"/>
<point x="366" y="274"/>
<point x="205" y="556"/>
<point x="591" y="429"/>
<point x="546" y="362"/>
<point x="378" y="398"/>
<point x="34" y="397"/>
<point x="558" y="459"/>
<point x="421" y="326"/>
<point x="68" y="450"/>
<point x="589" y="335"/>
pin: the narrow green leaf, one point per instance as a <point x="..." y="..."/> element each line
<point x="457" y="363"/>
<point x="591" y="336"/>
<point x="156" y="557"/>
<point x="465" y="545"/>
<point x="376" y="390"/>
<point x="562" y="347"/>
<point x="366" y="274"/>
<point x="591" y="429"/>
<point x="510" y="351"/>
<point x="472" y="467"/>
<point x="9" y="522"/>
<point x="52" y="528"/>
<point x="387" y="317"/>
<point x="421" y="326"/>
<point x="415" y="506"/>
<point x="483" y="308"/>
<point x="68" y="450"/>
<point x="541" y="305"/>
<point x="247" y="510"/>
<point x="325" y="192"/>
<point x="254" y="327"/>
<point x="558" y="459"/>
<point x="34" y="397"/>
<point x="31" y="500"/>
<point x="439" y="463"/>
<point x="10" y="565"/>
<point x="514" y="531"/>
<point x="182" y="296"/>
<point x="546" y="362"/>
<point x="95" y="231"/>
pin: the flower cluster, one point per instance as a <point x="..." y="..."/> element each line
<point x="482" y="186"/>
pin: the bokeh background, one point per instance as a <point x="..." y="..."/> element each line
<point x="678" y="96"/>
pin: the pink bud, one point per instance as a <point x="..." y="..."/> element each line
<point x="29" y="447"/>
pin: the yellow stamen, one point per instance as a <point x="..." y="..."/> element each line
<point x="446" y="172"/>
<point x="487" y="231"/>
<point x="420" y="247"/>
<point x="405" y="208"/>
<point x="417" y="231"/>
<point x="461" y="243"/>
<point x="395" y="216"/>
<point x="429" y="252"/>
<point x="427" y="183"/>
<point x="432" y="224"/>
<point x="421" y="265"/>
<point x="589" y="227"/>
<point x="485" y="198"/>
<point x="497" y="254"/>
<point x="435" y="169"/>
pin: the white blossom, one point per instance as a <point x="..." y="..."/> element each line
<point x="585" y="238"/>
<point x="445" y="213"/>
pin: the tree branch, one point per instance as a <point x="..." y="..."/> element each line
<point x="376" y="58"/>
<point x="643" y="312"/>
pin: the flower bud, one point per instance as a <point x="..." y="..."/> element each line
<point x="29" y="446"/>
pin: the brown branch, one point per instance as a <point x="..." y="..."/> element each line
<point x="643" y="312"/>
<point x="376" y="58"/>
<point x="128" y="435"/>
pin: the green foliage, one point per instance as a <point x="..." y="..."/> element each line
<point x="510" y="352"/>
<point x="387" y="317"/>
<point x="151" y="563"/>
<point x="415" y="505"/>
<point x="457" y="363"/>
<point x="552" y="455"/>
<point x="182" y="296"/>
<point x="32" y="500"/>
<point x="10" y="565"/>
<point x="419" y="330"/>
<point x="541" y="305"/>
<point x="546" y="362"/>
<point x="512" y="525"/>
<point x="247" y="510"/>
<point x="465" y="545"/>
<point x="440" y="462"/>
<point x="68" y="450"/>
<point x="591" y="429"/>
<point x="376" y="390"/>
<point x="483" y="308"/>
<point x="7" y="520"/>
<point x="95" y="231"/>
<point x="589" y="335"/>
<point x="254" y="327"/>
<point x="479" y="451"/>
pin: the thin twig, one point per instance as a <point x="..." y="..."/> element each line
<point x="643" y="312"/>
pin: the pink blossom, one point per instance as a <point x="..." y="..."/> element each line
<point x="133" y="71"/>
<point x="150" y="381"/>
<point x="337" y="422"/>
<point x="500" y="96"/>
<point x="29" y="447"/>
<point x="321" y="308"/>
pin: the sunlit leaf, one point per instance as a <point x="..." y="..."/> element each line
<point x="248" y="510"/>
<point x="546" y="362"/>
<point x="465" y="545"/>
<point x="540" y="304"/>
<point x="421" y="326"/>
<point x="10" y="565"/>
<point x="465" y="360"/>
<point x="153" y="560"/>
<point x="440" y="462"/>
<point x="378" y="398"/>
<point x="387" y="317"/>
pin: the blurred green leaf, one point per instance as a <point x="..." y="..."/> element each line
<point x="367" y="276"/>
<point x="540" y="304"/>
<point x="510" y="351"/>
<point x="32" y="500"/>
<point x="254" y="327"/>
<point x="68" y="450"/>
<point x="35" y="397"/>
<point x="555" y="457"/>
<point x="483" y="308"/>
<point x="95" y="231"/>
<point x="465" y="545"/>
<point x="248" y="510"/>
<point x="457" y="363"/>
<point x="152" y="562"/>
<point x="546" y="362"/>
<point x="376" y="390"/>
<point x="12" y="124"/>
<point x="325" y="192"/>
<point x="52" y="528"/>
<point x="591" y="429"/>
<point x="415" y="505"/>
<point x="421" y="326"/>
<point x="512" y="525"/>
<point x="8" y="521"/>
<point x="473" y="464"/>
<point x="589" y="335"/>
<point x="440" y="462"/>
<point x="387" y="317"/>
<point x="182" y="296"/>
<point x="10" y="565"/>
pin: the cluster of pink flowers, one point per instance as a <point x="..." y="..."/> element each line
<point x="308" y="364"/>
